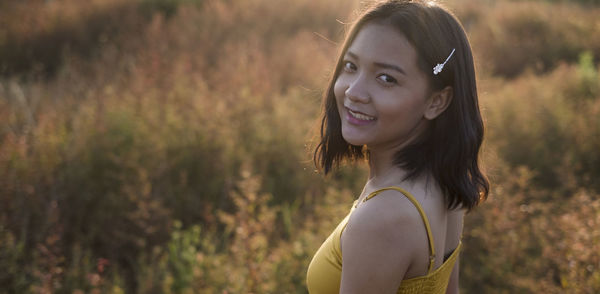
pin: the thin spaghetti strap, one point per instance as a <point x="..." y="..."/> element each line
<point x="423" y="216"/>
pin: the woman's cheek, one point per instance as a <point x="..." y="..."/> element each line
<point x="339" y="89"/>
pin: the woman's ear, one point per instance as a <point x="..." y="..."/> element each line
<point x="438" y="102"/>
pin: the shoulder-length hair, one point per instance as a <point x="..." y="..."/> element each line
<point x="448" y="149"/>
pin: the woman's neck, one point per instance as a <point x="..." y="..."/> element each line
<point x="382" y="170"/>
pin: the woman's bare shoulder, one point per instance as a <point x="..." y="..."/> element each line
<point x="379" y="243"/>
<point x="392" y="214"/>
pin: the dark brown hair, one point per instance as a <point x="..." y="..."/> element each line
<point x="448" y="149"/>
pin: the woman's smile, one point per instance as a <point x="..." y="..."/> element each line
<point x="359" y="118"/>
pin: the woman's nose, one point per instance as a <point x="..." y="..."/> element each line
<point x="357" y="90"/>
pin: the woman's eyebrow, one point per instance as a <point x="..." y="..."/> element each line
<point x="380" y="64"/>
<point x="390" y="66"/>
<point x="352" y="54"/>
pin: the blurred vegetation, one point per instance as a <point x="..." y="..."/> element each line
<point x="163" y="146"/>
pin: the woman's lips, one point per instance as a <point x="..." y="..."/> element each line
<point x="358" y="118"/>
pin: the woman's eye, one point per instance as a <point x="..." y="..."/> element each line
<point x="349" y="66"/>
<point x="387" y="79"/>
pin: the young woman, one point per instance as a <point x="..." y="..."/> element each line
<point x="403" y="96"/>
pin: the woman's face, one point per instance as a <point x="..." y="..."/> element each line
<point x="381" y="93"/>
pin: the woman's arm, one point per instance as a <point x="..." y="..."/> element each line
<point x="378" y="244"/>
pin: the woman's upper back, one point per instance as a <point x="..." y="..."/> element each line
<point x="426" y="210"/>
<point x="407" y="224"/>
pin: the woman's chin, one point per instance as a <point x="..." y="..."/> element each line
<point x="357" y="145"/>
<point x="353" y="140"/>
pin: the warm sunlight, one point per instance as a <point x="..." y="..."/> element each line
<point x="165" y="146"/>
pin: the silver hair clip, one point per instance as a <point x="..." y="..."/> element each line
<point x="438" y="68"/>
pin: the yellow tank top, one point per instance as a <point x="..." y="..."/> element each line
<point x="325" y="270"/>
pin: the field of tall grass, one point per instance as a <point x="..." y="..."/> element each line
<point x="164" y="146"/>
